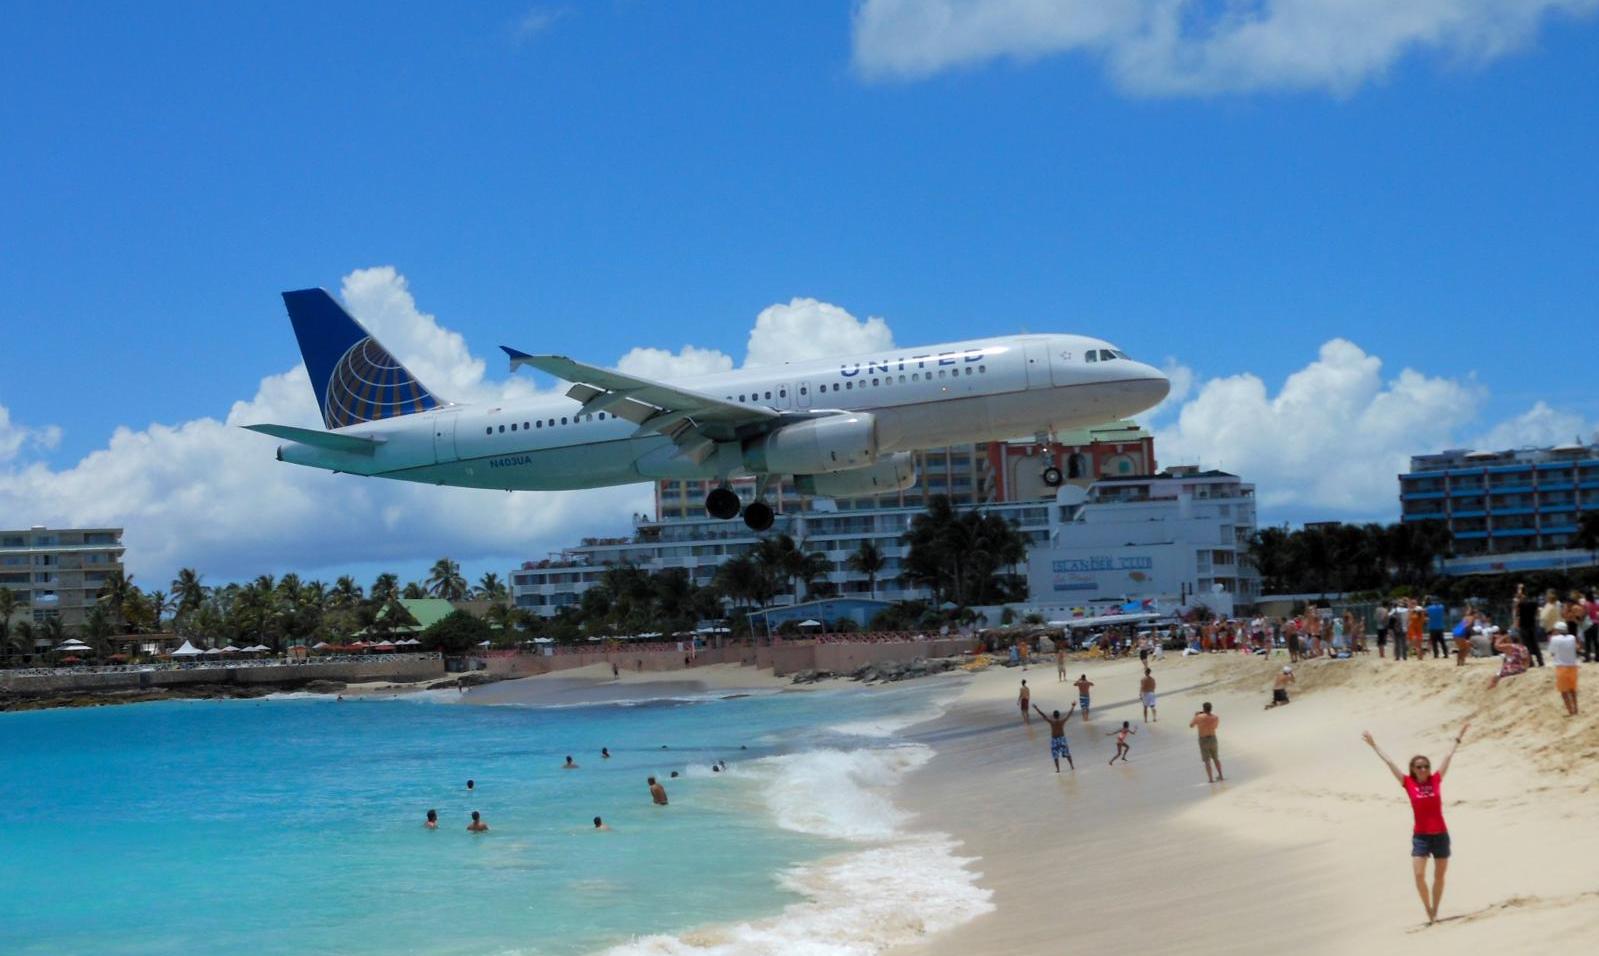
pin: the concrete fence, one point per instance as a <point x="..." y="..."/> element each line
<point x="781" y="657"/>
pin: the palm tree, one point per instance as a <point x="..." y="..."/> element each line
<point x="188" y="591"/>
<point x="8" y="607"/>
<point x="346" y="593"/>
<point x="156" y="603"/>
<point x="116" y="594"/>
<point x="96" y="629"/>
<point x="385" y="588"/>
<point x="491" y="588"/>
<point x="22" y="637"/>
<point x="869" y="560"/>
<point x="413" y="591"/>
<point x="445" y="580"/>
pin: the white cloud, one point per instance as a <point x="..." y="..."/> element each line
<point x="1335" y="436"/>
<point x="662" y="365"/>
<point x="1182" y="385"/>
<point x="534" y="22"/>
<point x="1539" y="425"/>
<point x="15" y="438"/>
<point x="808" y="329"/>
<point x="1198" y="47"/>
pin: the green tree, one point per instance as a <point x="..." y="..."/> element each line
<point x="456" y="632"/>
<point x="491" y="588"/>
<point x="445" y="581"/>
<point x="965" y="557"/>
<point x="385" y="588"/>
<point x="869" y="560"/>
<point x="116" y="594"/>
<point x="414" y="591"/>
<point x="189" y="593"/>
<point x="8" y="607"/>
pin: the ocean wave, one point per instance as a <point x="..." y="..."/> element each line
<point x="901" y="888"/>
<point x="855" y="905"/>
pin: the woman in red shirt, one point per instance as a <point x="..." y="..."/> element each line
<point x="1429" y="837"/>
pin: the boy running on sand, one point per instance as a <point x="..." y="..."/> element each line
<point x="1058" y="747"/>
<point x="1083" y="684"/>
<point x="1122" y="747"/>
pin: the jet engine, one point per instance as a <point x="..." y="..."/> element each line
<point x="816" y="445"/>
<point x="892" y="473"/>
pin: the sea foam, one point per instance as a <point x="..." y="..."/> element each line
<point x="899" y="887"/>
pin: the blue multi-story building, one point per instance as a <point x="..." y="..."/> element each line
<point x="1503" y="502"/>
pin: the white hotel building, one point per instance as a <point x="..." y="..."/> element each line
<point x="1168" y="536"/>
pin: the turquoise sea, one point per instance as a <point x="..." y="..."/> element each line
<point x="295" y="826"/>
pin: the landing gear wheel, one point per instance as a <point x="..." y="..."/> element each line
<point x="758" y="515"/>
<point x="721" y="504"/>
<point x="1052" y="476"/>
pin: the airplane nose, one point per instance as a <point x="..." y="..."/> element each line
<point x="1153" y="385"/>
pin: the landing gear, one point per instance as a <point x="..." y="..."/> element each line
<point x="758" y="515"/>
<point x="721" y="504"/>
<point x="1052" y="476"/>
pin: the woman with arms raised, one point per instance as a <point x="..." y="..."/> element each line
<point x="1430" y="837"/>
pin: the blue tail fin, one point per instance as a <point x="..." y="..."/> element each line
<point x="355" y="378"/>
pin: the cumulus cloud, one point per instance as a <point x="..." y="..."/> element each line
<point x="1538" y="425"/>
<point x="807" y="329"/>
<point x="1333" y="438"/>
<point x="660" y="364"/>
<point x="1199" y="47"/>
<point x="15" y="439"/>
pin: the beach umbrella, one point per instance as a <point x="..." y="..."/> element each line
<point x="73" y="646"/>
<point x="211" y="651"/>
<point x="320" y="646"/>
<point x="230" y="649"/>
<point x="811" y="623"/>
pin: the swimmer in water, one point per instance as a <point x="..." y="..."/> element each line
<point x="471" y="785"/>
<point x="658" y="792"/>
<point x="477" y="825"/>
<point x="569" y="765"/>
<point x="433" y="820"/>
<point x="674" y="774"/>
<point x="600" y="826"/>
<point x="605" y="753"/>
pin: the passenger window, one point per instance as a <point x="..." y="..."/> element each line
<point x="602" y="416"/>
<point x="588" y="418"/>
<point x="563" y="420"/>
<point x="768" y="396"/>
<point x="526" y="426"/>
<point x="940" y="373"/>
<point x="513" y="426"/>
<point x="502" y="429"/>
<point x="802" y="390"/>
<point x="874" y="381"/>
<point x="741" y="398"/>
<point x="849" y="386"/>
<point x="902" y="380"/>
<point x="982" y="370"/>
<point x="968" y="370"/>
<point x="489" y="430"/>
<point x="552" y="423"/>
<point x="782" y="393"/>
<point x="539" y="423"/>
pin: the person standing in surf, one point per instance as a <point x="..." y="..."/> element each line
<point x="1023" y="699"/>
<point x="1430" y="836"/>
<point x="1083" y="687"/>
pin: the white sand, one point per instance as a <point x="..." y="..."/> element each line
<point x="1305" y="848"/>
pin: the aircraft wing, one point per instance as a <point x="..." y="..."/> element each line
<point x="693" y="419"/>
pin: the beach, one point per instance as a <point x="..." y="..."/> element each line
<point x="1304" y="848"/>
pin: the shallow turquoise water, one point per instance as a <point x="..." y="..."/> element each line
<point x="295" y="826"/>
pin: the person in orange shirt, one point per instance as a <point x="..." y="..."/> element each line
<point x="1416" y="629"/>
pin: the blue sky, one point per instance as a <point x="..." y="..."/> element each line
<point x="592" y="177"/>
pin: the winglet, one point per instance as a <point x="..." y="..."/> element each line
<point x="518" y="357"/>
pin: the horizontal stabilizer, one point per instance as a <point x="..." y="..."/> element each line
<point x="332" y="441"/>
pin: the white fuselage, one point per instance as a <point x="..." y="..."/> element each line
<point x="978" y="390"/>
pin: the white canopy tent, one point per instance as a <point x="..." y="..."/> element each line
<point x="187" y="650"/>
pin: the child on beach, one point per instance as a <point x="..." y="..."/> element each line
<point x="1122" y="747"/>
<point x="1516" y="659"/>
<point x="1083" y="684"/>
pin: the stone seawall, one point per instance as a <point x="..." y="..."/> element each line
<point x="400" y="671"/>
<point x="782" y="658"/>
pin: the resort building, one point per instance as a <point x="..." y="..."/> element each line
<point x="1170" y="536"/>
<point x="58" y="572"/>
<point x="1177" y="537"/>
<point x="986" y="473"/>
<point x="1506" y="510"/>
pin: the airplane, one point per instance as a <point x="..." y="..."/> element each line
<point x="841" y="427"/>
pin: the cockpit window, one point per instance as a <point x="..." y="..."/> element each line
<point x="1091" y="355"/>
<point x="1104" y="355"/>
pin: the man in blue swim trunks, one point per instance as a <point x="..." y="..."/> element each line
<point x="1057" y="736"/>
<point x="1083" y="686"/>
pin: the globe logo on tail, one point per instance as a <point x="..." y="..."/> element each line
<point x="368" y="384"/>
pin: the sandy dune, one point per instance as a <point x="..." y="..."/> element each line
<point x="1305" y="848"/>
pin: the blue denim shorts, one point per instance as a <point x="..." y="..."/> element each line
<point x="1435" y="845"/>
